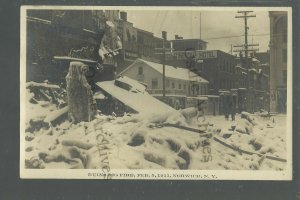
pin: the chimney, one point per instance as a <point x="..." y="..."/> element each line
<point x="164" y="34"/>
<point x="176" y="37"/>
<point x="123" y="15"/>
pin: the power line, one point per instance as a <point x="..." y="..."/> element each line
<point x="245" y="15"/>
<point x="233" y="36"/>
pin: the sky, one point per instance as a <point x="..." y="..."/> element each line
<point x="217" y="27"/>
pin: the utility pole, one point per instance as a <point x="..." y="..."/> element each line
<point x="164" y="36"/>
<point x="200" y="24"/>
<point x="163" y="52"/>
<point x="245" y="15"/>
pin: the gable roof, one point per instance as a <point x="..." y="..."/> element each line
<point x="170" y="71"/>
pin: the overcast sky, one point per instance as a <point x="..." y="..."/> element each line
<point x="215" y="26"/>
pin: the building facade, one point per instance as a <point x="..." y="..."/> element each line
<point x="217" y="67"/>
<point x="278" y="61"/>
<point x="183" y="88"/>
<point x="137" y="43"/>
<point x="180" y="44"/>
<point x="57" y="32"/>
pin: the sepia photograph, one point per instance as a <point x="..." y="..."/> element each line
<point x="156" y="93"/>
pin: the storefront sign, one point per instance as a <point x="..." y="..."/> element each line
<point x="183" y="55"/>
<point x="130" y="55"/>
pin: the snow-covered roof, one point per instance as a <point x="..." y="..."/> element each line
<point x="143" y="103"/>
<point x="169" y="95"/>
<point x="255" y="60"/>
<point x="203" y="98"/>
<point x="239" y="66"/>
<point x="171" y="71"/>
<point x="213" y="96"/>
<point x="252" y="70"/>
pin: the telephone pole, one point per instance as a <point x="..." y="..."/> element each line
<point x="163" y="59"/>
<point x="245" y="15"/>
<point x="164" y="36"/>
<point x="200" y="24"/>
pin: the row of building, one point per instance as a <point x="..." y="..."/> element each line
<point x="193" y="73"/>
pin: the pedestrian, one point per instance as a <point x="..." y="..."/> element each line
<point x="233" y="112"/>
<point x="226" y="111"/>
<point x="200" y="111"/>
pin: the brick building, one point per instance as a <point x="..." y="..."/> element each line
<point x="56" y="32"/>
<point x="217" y="67"/>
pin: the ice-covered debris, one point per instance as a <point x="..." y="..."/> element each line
<point x="99" y="95"/>
<point x="249" y="117"/>
<point x="244" y="126"/>
<point x="189" y="113"/>
<point x="130" y="84"/>
<point x="56" y="114"/>
<point x="41" y="85"/>
<point x="143" y="103"/>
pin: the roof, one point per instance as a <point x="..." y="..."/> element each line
<point x="255" y="60"/>
<point x="171" y="71"/>
<point x="136" y="100"/>
<point x="196" y="39"/>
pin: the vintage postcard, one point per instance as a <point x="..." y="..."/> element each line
<point x="193" y="93"/>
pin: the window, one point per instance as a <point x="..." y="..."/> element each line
<point x="154" y="83"/>
<point x="173" y="85"/>
<point x="226" y="67"/>
<point x="179" y="86"/>
<point x="284" y="35"/>
<point x="284" y="55"/>
<point x="140" y="72"/>
<point x="167" y="83"/>
<point x="284" y="73"/>
<point x="184" y="86"/>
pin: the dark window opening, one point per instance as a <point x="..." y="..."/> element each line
<point x="140" y="70"/>
<point x="284" y="55"/>
<point x="154" y="83"/>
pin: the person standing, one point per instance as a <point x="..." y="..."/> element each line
<point x="200" y="111"/>
<point x="232" y="111"/>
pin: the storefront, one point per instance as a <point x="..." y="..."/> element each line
<point x="213" y="105"/>
<point x="175" y="101"/>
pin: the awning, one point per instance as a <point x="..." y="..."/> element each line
<point x="169" y="95"/>
<point x="202" y="98"/>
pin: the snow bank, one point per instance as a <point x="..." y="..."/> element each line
<point x="132" y="143"/>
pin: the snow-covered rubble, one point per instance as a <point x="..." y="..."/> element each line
<point x="143" y="141"/>
<point x="138" y="99"/>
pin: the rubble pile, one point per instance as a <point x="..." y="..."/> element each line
<point x="146" y="141"/>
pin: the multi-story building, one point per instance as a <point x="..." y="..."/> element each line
<point x="278" y="61"/>
<point x="56" y="32"/>
<point x="137" y="43"/>
<point x="183" y="88"/>
<point x="180" y="44"/>
<point x="253" y="83"/>
<point x="217" y="67"/>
